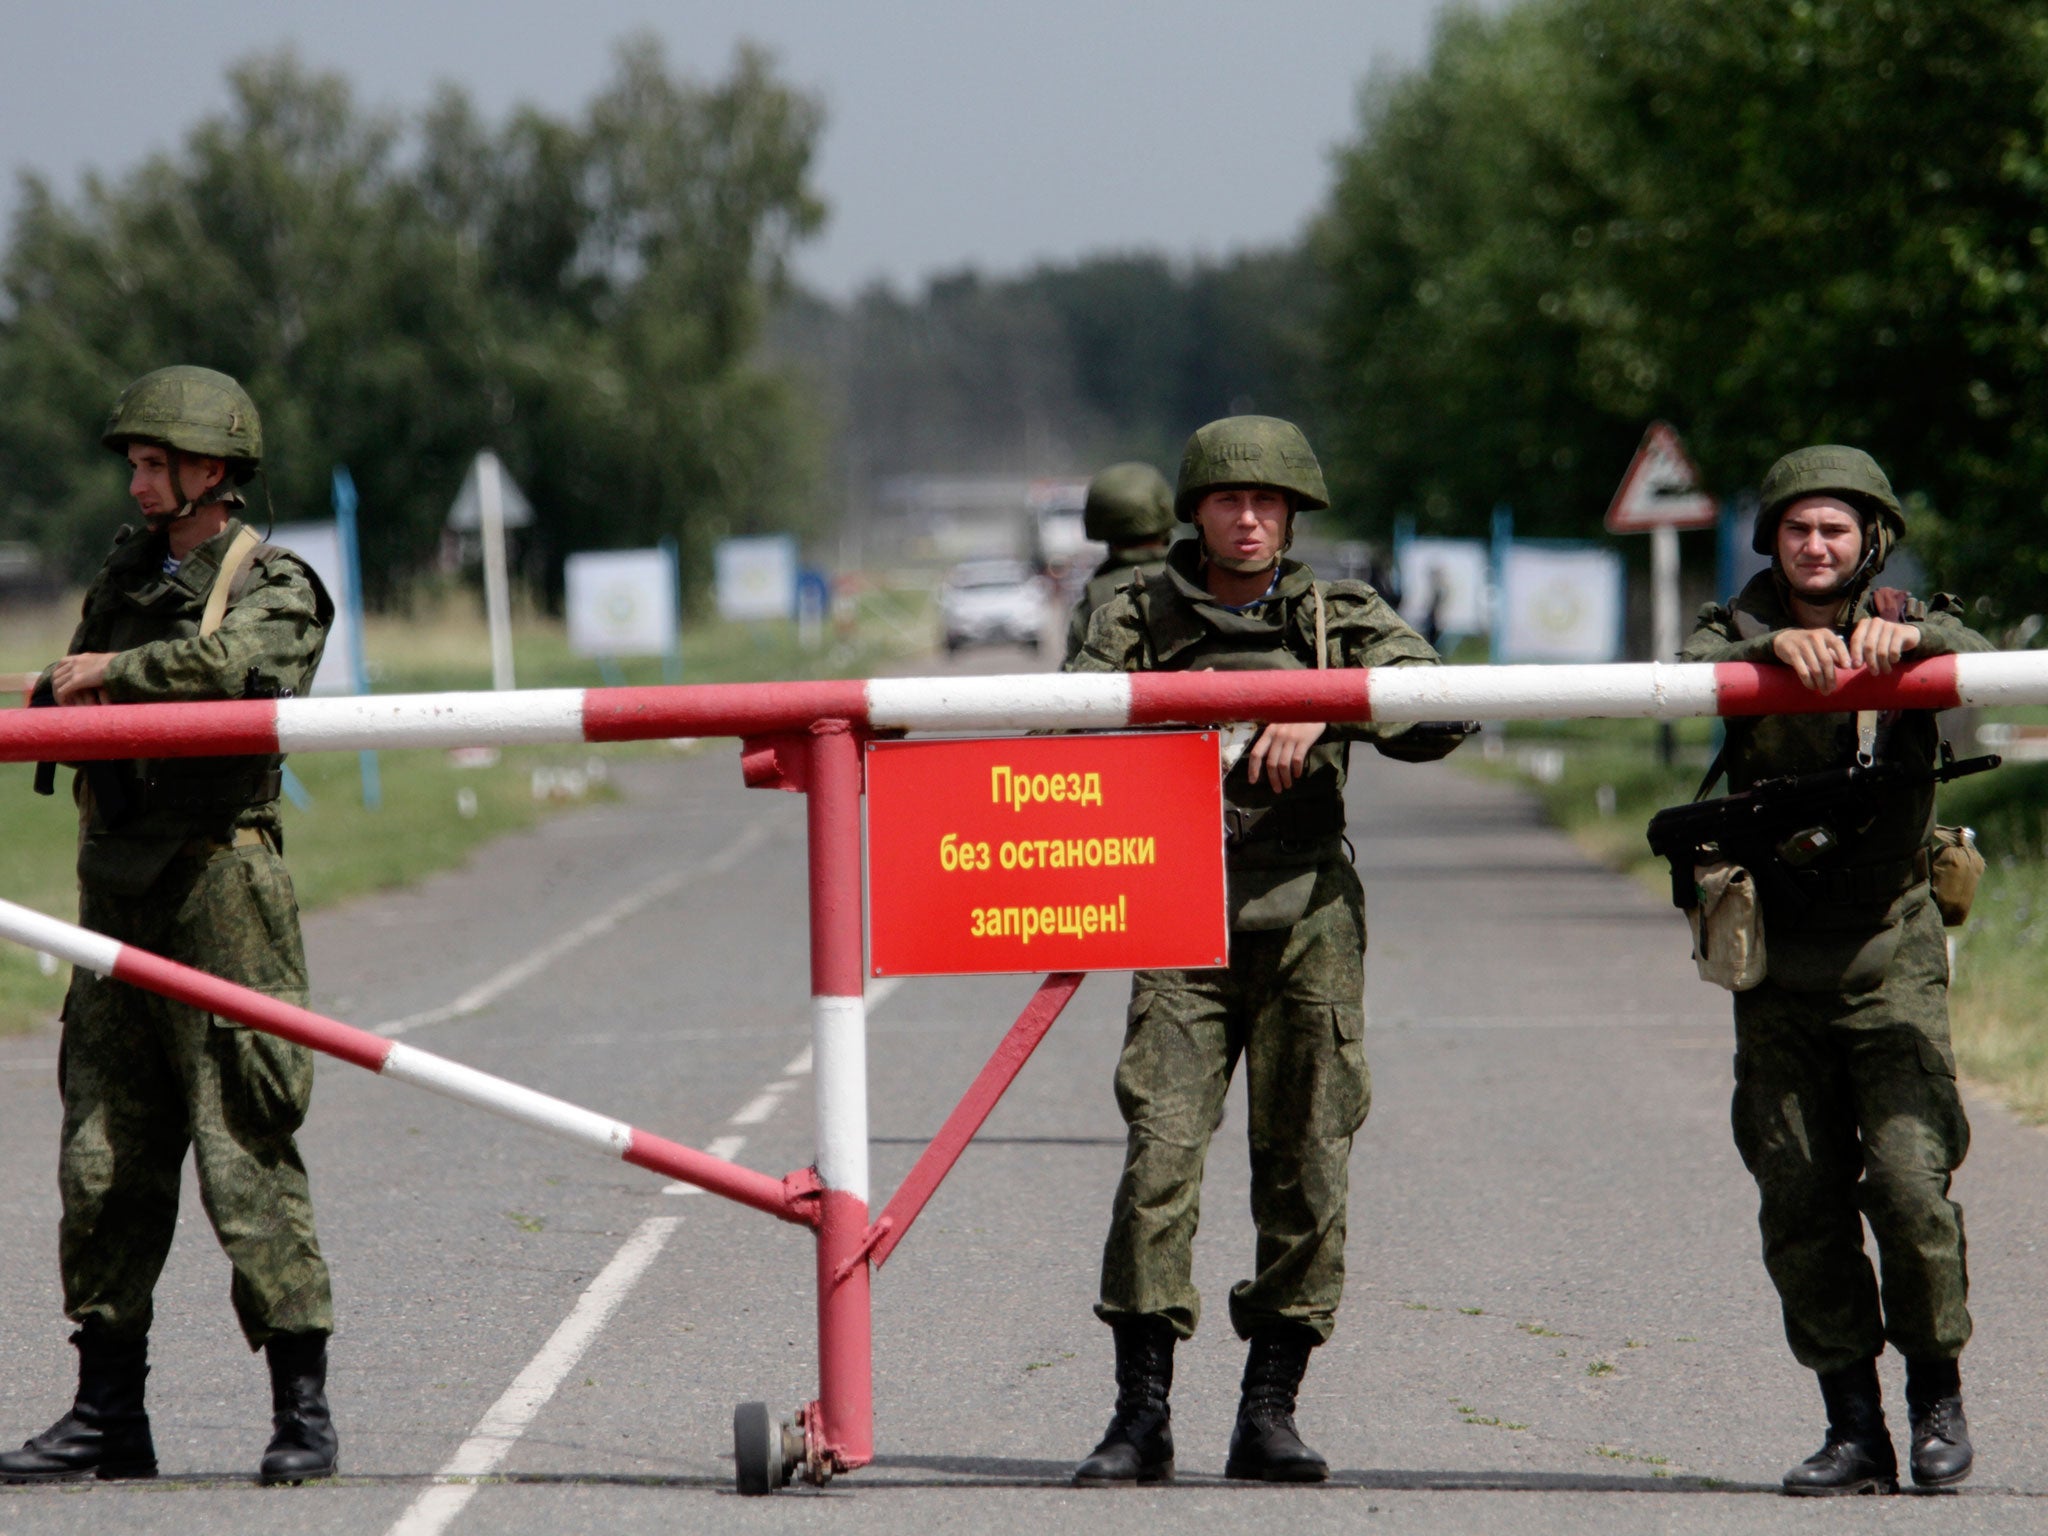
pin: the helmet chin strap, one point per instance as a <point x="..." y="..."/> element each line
<point x="175" y="462"/>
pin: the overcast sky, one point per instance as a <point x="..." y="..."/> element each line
<point x="955" y="133"/>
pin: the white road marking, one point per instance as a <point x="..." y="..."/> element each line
<point x="757" y="1110"/>
<point x="499" y="1429"/>
<point x="488" y="991"/>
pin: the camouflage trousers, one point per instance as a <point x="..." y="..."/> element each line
<point x="1840" y="1123"/>
<point x="143" y="1078"/>
<point x="1291" y="1006"/>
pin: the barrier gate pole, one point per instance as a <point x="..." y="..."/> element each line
<point x="840" y="1426"/>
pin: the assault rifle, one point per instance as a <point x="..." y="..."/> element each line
<point x="1779" y="827"/>
<point x="109" y="785"/>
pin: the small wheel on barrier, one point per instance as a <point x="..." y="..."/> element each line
<point x="759" y="1466"/>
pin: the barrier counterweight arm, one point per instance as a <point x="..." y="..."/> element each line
<point x="794" y="1199"/>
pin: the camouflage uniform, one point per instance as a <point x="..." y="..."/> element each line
<point x="1291" y="1003"/>
<point x="1108" y="579"/>
<point x="189" y="869"/>
<point x="1845" y="1103"/>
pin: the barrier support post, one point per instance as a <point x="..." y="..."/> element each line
<point x="839" y="1426"/>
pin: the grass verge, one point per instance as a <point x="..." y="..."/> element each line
<point x="434" y="813"/>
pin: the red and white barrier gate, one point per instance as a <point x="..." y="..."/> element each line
<point x="807" y="737"/>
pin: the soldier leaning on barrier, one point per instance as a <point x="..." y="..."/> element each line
<point x="1845" y="1102"/>
<point x="181" y="857"/>
<point x="1291" y="1002"/>
<point x="1129" y="508"/>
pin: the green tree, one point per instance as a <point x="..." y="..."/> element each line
<point x="1771" y="223"/>
<point x="587" y="296"/>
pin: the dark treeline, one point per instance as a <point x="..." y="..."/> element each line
<point x="1771" y="223"/>
<point x="1062" y="369"/>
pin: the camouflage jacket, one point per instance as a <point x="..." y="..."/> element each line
<point x="269" y="643"/>
<point x="1105" y="582"/>
<point x="1166" y="621"/>
<point x="1875" y="861"/>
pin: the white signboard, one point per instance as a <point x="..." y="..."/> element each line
<point x="1560" y="603"/>
<point x="756" y="578"/>
<point x="319" y="545"/>
<point x="1451" y="574"/>
<point x="620" y="602"/>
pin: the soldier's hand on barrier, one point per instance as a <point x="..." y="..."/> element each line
<point x="1879" y="643"/>
<point x="78" y="679"/>
<point x="1812" y="654"/>
<point x="1282" y="750"/>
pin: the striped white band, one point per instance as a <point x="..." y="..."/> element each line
<point x="839" y="1065"/>
<point x="430" y="720"/>
<point x="999" y="703"/>
<point x="423" y="1069"/>
<point x="67" y="941"/>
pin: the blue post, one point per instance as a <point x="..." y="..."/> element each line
<point x="359" y="670"/>
<point x="672" y="663"/>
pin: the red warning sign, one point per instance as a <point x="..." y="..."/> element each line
<point x="1661" y="488"/>
<point x="1054" y="853"/>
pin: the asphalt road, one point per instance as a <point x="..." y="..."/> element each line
<point x="1557" y="1320"/>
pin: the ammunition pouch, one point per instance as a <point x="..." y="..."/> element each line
<point x="1955" y="867"/>
<point x="220" y="786"/>
<point x="1861" y="884"/>
<point x="1727" y="920"/>
<point x="1284" y="821"/>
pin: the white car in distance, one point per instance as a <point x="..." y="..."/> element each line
<point x="992" y="602"/>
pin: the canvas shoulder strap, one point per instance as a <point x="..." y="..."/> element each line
<point x="240" y="548"/>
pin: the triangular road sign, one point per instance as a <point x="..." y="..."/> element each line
<point x="1661" y="488"/>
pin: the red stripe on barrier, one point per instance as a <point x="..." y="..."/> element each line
<point x="1159" y="698"/>
<point x="718" y="709"/>
<point x="1754" y="688"/>
<point x="232" y="1001"/>
<point x="89" y="734"/>
<point x="775" y="1196"/>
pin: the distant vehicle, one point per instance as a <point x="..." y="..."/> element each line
<point x="992" y="602"/>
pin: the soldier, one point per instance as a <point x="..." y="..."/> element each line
<point x="1129" y="508"/>
<point x="1845" y="1102"/>
<point x="1291" y="1002"/>
<point x="181" y="856"/>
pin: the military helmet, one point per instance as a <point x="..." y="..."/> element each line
<point x="1249" y="450"/>
<point x="1126" y="502"/>
<point x="194" y="410"/>
<point x="1832" y="470"/>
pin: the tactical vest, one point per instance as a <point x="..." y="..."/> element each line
<point x="137" y="815"/>
<point x="1274" y="841"/>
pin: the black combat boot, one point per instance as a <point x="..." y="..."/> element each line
<point x="1941" y="1437"/>
<point x="1138" y="1445"/>
<point x="1264" y="1444"/>
<point x="106" y="1433"/>
<point x="304" y="1443"/>
<point x="1857" y="1456"/>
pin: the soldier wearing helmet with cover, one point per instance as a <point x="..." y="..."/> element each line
<point x="1129" y="508"/>
<point x="183" y="857"/>
<point x="1845" y="1103"/>
<point x="1290" y="1003"/>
